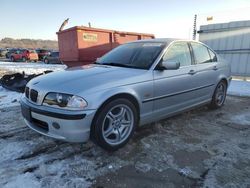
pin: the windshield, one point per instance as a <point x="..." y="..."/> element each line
<point x="134" y="55"/>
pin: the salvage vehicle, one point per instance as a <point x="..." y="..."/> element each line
<point x="3" y="52"/>
<point x="134" y="84"/>
<point x="24" y="55"/>
<point x="52" y="58"/>
<point x="42" y="53"/>
<point x="10" y="51"/>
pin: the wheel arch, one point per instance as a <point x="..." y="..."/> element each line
<point x="223" y="79"/>
<point x="226" y="82"/>
<point x="128" y="96"/>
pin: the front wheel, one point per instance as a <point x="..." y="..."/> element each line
<point x="24" y="59"/>
<point x="114" y="124"/>
<point x="219" y="95"/>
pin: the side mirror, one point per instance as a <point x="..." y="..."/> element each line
<point x="170" y="65"/>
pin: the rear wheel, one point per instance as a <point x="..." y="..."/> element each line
<point x="114" y="124"/>
<point x="219" y="96"/>
<point x="46" y="61"/>
<point x="24" y="59"/>
<point x="12" y="59"/>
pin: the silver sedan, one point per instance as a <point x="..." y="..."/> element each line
<point x="134" y="84"/>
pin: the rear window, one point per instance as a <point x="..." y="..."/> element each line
<point x="55" y="54"/>
<point x="43" y="51"/>
<point x="31" y="51"/>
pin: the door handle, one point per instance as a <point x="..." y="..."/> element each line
<point x="191" y="72"/>
<point x="215" y="68"/>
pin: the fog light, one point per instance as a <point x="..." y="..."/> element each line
<point x="56" y="125"/>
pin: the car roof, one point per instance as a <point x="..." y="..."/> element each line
<point x="162" y="40"/>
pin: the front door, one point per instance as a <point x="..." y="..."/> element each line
<point x="175" y="89"/>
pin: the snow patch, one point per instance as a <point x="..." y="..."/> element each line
<point x="185" y="171"/>
<point x="26" y="180"/>
<point x="242" y="119"/>
<point x="239" y="88"/>
<point x="9" y="98"/>
<point x="143" y="167"/>
<point x="30" y="68"/>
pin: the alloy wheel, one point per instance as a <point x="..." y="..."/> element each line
<point x="117" y="124"/>
<point x="220" y="94"/>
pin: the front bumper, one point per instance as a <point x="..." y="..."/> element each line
<point x="71" y="126"/>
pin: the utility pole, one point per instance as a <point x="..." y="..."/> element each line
<point x="194" y="27"/>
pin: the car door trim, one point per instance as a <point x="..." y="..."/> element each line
<point x="178" y="93"/>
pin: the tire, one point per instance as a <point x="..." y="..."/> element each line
<point x="46" y="61"/>
<point x="24" y="59"/>
<point x="219" y="95"/>
<point x="12" y="59"/>
<point x="107" y="129"/>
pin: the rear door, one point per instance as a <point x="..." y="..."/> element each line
<point x="174" y="90"/>
<point x="206" y="70"/>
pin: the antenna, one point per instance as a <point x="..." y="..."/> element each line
<point x="63" y="24"/>
<point x="194" y="27"/>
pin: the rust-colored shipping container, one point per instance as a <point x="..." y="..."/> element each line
<point x="83" y="45"/>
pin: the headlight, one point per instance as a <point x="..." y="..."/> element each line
<point x="65" y="101"/>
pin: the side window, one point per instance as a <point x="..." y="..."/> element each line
<point x="212" y="55"/>
<point x="200" y="53"/>
<point x="179" y="52"/>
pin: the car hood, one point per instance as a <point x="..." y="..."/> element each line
<point x="87" y="79"/>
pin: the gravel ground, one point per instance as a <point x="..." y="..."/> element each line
<point x="199" y="148"/>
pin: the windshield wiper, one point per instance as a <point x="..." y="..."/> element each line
<point x="120" y="65"/>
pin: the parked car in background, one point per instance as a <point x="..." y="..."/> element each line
<point x="53" y="58"/>
<point x="10" y="51"/>
<point x="42" y="53"/>
<point x="3" y="52"/>
<point x="134" y="84"/>
<point x="24" y="55"/>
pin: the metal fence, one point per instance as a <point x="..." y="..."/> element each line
<point x="232" y="42"/>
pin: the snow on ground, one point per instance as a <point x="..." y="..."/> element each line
<point x="239" y="88"/>
<point x="30" y="68"/>
<point x="10" y="98"/>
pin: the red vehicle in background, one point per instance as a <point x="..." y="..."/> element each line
<point x="42" y="53"/>
<point x="24" y="55"/>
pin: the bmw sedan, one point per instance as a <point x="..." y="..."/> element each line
<point x="134" y="84"/>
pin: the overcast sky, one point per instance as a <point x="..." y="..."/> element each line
<point x="164" y="18"/>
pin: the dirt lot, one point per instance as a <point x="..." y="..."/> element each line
<point x="200" y="148"/>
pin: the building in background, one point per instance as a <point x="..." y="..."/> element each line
<point x="232" y="42"/>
